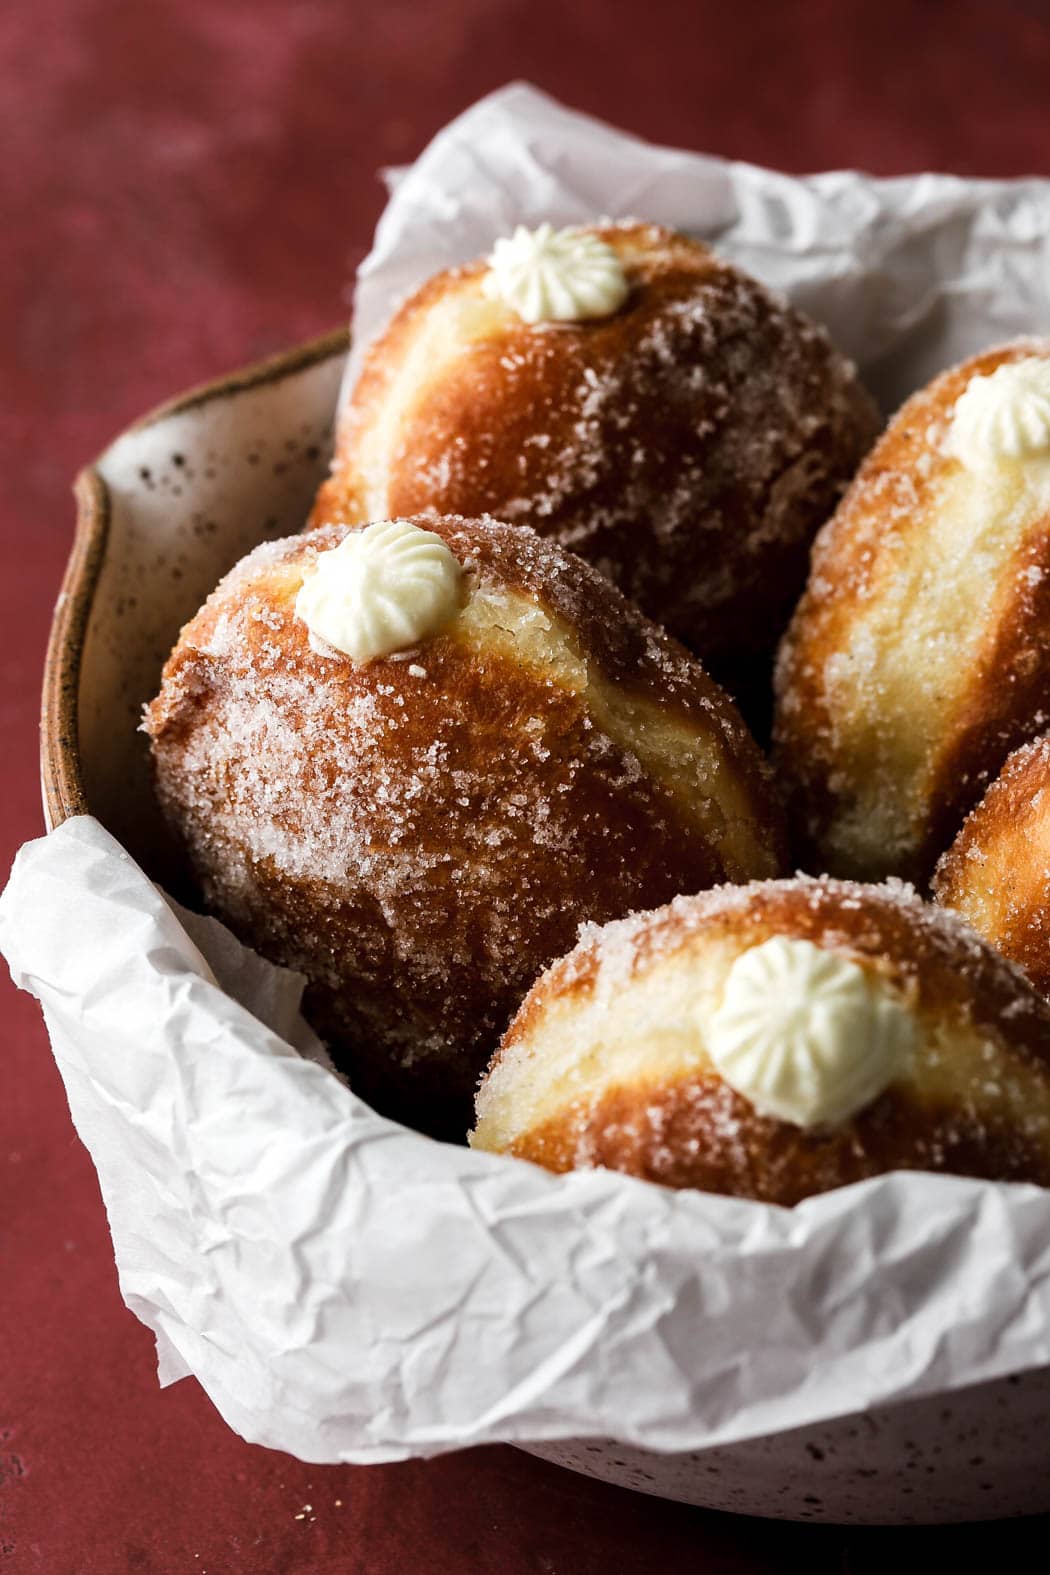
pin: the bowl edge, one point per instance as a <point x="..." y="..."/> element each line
<point x="61" y="778"/>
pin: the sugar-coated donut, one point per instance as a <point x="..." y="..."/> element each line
<point x="688" y="443"/>
<point x="420" y="832"/>
<point x="997" y="871"/>
<point x="776" y="1040"/>
<point x="919" y="655"/>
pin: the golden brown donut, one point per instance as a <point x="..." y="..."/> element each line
<point x="919" y="655"/>
<point x="611" y="1060"/>
<point x="688" y="445"/>
<point x="997" y="871"/>
<point x="420" y="834"/>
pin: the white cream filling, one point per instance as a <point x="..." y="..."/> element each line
<point x="555" y="276"/>
<point x="383" y="589"/>
<point x="1004" y="417"/>
<point x="806" y="1035"/>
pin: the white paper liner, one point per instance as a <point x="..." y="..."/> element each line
<point x="347" y="1290"/>
<point x="908" y="274"/>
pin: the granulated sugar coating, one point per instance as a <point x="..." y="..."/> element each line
<point x="689" y="445"/>
<point x="607" y="1062"/>
<point x="422" y="834"/>
<point x="997" y="871"/>
<point x="919" y="655"/>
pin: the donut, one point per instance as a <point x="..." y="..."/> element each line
<point x="408" y="760"/>
<point x="997" y="871"/>
<point x="776" y="1040"/>
<point x="630" y="395"/>
<point x="919" y="655"/>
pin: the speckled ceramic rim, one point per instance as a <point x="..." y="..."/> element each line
<point x="60" y="774"/>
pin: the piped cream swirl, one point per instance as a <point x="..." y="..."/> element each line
<point x="1004" y="416"/>
<point x="807" y="1035"/>
<point x="383" y="589"/>
<point x="556" y="276"/>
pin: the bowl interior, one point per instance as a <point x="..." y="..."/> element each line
<point x="165" y="512"/>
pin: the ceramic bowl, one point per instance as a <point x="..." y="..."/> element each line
<point x="165" y="511"/>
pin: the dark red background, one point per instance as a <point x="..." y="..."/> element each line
<point x="185" y="187"/>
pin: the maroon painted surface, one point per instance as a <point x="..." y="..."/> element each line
<point x="186" y="185"/>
